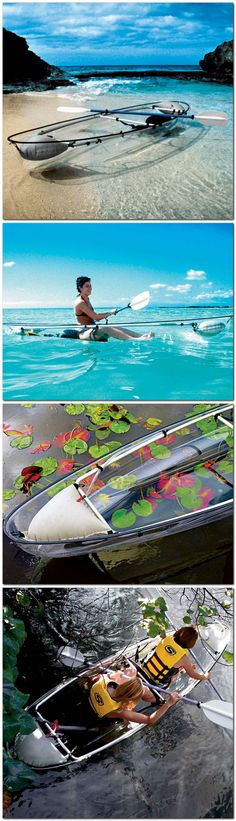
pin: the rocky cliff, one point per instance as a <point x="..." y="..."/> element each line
<point x="22" y="67"/>
<point x="218" y="64"/>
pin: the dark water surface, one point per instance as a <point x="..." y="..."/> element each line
<point x="182" y="768"/>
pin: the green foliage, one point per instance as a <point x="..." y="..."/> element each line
<point x="21" y="442"/>
<point x="155" y="617"/>
<point x="48" y="465"/>
<point x="15" y="719"/>
<point x="8" y="494"/>
<point x="75" y="409"/>
<point x="229" y="657"/>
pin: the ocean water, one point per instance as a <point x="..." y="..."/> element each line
<point x="178" y="364"/>
<point x="185" y="174"/>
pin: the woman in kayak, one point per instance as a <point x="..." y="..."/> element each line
<point x="170" y="657"/>
<point x="116" y="694"/>
<point x="85" y="316"/>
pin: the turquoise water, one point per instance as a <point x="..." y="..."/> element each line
<point x="178" y="364"/>
<point x="187" y="175"/>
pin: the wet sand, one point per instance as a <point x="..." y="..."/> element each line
<point x="179" y="177"/>
<point x="25" y="196"/>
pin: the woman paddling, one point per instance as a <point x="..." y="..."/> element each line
<point x="116" y="694"/>
<point x="86" y="316"/>
<point x="170" y="656"/>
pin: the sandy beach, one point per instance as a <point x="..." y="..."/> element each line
<point x="178" y="177"/>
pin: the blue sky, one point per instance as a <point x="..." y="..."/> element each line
<point x="181" y="264"/>
<point x="117" y="33"/>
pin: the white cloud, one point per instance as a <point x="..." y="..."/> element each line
<point x="8" y="264"/>
<point x="180" y="288"/>
<point x="214" y="294"/>
<point x="157" y="285"/>
<point x="192" y="274"/>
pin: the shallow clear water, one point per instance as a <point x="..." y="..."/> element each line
<point x="178" y="364"/>
<point x="188" y="175"/>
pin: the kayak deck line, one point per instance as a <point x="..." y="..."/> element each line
<point x="143" y="490"/>
<point x="48" y="748"/>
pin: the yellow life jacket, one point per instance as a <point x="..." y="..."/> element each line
<point x="159" y="664"/>
<point x="100" y="700"/>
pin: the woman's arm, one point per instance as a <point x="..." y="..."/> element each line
<point x="191" y="670"/>
<point x="141" y="718"/>
<point x="90" y="313"/>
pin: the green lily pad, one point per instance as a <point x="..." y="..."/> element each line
<point x="131" y="418"/>
<point x="8" y="494"/>
<point x="159" y="451"/>
<point x="75" y="445"/>
<point x="123" y="482"/>
<point x="123" y="518"/>
<point x="225" y="465"/>
<point x="52" y="491"/>
<point x="18" y="483"/>
<point x="75" y="408"/>
<point x="48" y="465"/>
<point x="201" y="471"/>
<point x="113" y="445"/>
<point x="229" y="657"/>
<point x="120" y="426"/>
<point x="153" y="422"/>
<point x="188" y="498"/>
<point x="21" y="442"/>
<point x="142" y="508"/>
<point x="182" y="432"/>
<point x="102" y="434"/>
<point x="97" y="451"/>
<point x="27" y="404"/>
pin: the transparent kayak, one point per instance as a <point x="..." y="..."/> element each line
<point x="170" y="481"/>
<point x="99" y="127"/>
<point x="75" y="738"/>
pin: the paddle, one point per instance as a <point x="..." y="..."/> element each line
<point x="220" y="712"/>
<point x="138" y="302"/>
<point x="208" y="118"/>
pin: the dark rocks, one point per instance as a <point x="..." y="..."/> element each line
<point x="218" y="64"/>
<point x="21" y="67"/>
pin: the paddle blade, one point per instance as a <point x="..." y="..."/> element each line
<point x="140" y="301"/>
<point x="220" y="712"/>
<point x="71" y="656"/>
<point x="211" y="118"/>
<point x="72" y="109"/>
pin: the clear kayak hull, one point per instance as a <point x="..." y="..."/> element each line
<point x="77" y="738"/>
<point x="168" y="482"/>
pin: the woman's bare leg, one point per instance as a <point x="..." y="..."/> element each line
<point x="122" y="333"/>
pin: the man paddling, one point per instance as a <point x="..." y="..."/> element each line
<point x="86" y="316"/>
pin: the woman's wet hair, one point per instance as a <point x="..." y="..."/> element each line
<point x="130" y="690"/>
<point x="186" y="637"/>
<point x="80" y="282"/>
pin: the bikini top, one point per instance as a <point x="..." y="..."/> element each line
<point x="82" y="315"/>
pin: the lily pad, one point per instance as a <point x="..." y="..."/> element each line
<point x="153" y="422"/>
<point x="123" y="482"/>
<point x="113" y="445"/>
<point x="142" y="508"/>
<point x="102" y="434"/>
<point x="8" y="494"/>
<point x="75" y="408"/>
<point x="52" y="491"/>
<point x="225" y="465"/>
<point x="120" y="426"/>
<point x="19" y="482"/>
<point x="21" y="442"/>
<point x="48" y="465"/>
<point x="123" y="518"/>
<point x="75" y="445"/>
<point x="229" y="657"/>
<point x="159" y="451"/>
<point x="97" y="451"/>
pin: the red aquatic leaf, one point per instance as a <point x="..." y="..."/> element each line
<point x="26" y="430"/>
<point x="43" y="446"/>
<point x="30" y="475"/>
<point x="77" y="433"/>
<point x="65" y="466"/>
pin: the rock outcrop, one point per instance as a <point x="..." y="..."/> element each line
<point x="22" y="67"/>
<point x="218" y="64"/>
